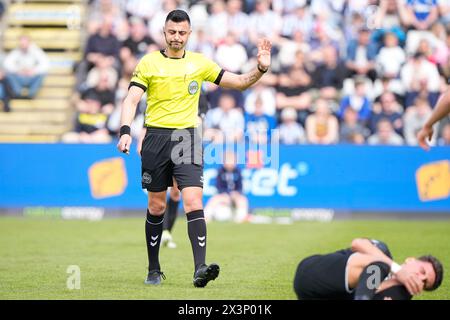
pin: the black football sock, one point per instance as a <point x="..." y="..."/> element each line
<point x="171" y="214"/>
<point x="153" y="231"/>
<point x="197" y="235"/>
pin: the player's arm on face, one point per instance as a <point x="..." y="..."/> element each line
<point x="129" y="106"/>
<point x="441" y="109"/>
<point x="370" y="253"/>
<point x="244" y="81"/>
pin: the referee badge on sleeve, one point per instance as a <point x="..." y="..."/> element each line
<point x="193" y="87"/>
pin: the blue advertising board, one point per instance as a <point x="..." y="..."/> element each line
<point x="343" y="177"/>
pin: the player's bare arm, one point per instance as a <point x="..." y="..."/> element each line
<point x="368" y="253"/>
<point x="441" y="109"/>
<point x="244" y="81"/>
<point x="129" y="106"/>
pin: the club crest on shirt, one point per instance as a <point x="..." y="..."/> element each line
<point x="193" y="87"/>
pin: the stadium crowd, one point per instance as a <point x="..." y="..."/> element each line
<point x="343" y="71"/>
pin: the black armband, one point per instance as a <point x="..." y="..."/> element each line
<point x="125" y="130"/>
<point x="262" y="70"/>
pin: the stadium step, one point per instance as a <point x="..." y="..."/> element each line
<point x="54" y="93"/>
<point x="40" y="104"/>
<point x="38" y="129"/>
<point x="62" y="63"/>
<point x="20" y="138"/>
<point x="59" y="81"/>
<point x="57" y="38"/>
<point x="45" y="14"/>
<point x="33" y="117"/>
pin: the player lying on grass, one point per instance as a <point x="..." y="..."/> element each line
<point x="365" y="271"/>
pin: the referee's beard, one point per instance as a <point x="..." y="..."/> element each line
<point x="174" y="45"/>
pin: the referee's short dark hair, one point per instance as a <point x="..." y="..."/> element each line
<point x="178" y="16"/>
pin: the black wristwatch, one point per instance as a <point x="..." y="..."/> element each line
<point x="261" y="70"/>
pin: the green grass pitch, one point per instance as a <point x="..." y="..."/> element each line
<point x="257" y="261"/>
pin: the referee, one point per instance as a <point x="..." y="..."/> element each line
<point x="172" y="146"/>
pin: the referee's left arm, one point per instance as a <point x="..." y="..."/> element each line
<point x="128" y="112"/>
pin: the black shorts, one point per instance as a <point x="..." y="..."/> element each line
<point x="168" y="153"/>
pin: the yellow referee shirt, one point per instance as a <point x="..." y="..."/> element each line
<point x="173" y="87"/>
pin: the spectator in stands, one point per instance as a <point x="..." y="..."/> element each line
<point x="237" y="21"/>
<point x="100" y="10"/>
<point x="391" y="57"/>
<point x="421" y="14"/>
<point x="199" y="42"/>
<point x="230" y="54"/>
<point x="25" y="68"/>
<point x="4" y="88"/>
<point x="229" y="194"/>
<point x="388" y="18"/>
<point x="144" y="9"/>
<point x="385" y="135"/>
<point x="329" y="76"/>
<point x="444" y="140"/>
<point x="290" y="131"/>
<point x="264" y="23"/>
<point x="293" y="85"/>
<point x="358" y="101"/>
<point x="390" y="110"/>
<point x="419" y="76"/>
<point x="299" y="19"/>
<point x="268" y="99"/>
<point x="103" y="44"/>
<point x="157" y="21"/>
<point x="120" y="93"/>
<point x="103" y="49"/>
<point x="259" y="126"/>
<point x="224" y="123"/>
<point x="351" y="130"/>
<point x="105" y="91"/>
<point x="361" y="55"/>
<point x="217" y="21"/>
<point x="138" y="43"/>
<point x="2" y="9"/>
<point x="414" y="118"/>
<point x="90" y="123"/>
<point x="444" y="11"/>
<point x="322" y="127"/>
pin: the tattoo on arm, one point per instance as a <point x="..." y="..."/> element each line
<point x="250" y="78"/>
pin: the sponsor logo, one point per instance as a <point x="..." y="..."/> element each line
<point x="108" y="178"/>
<point x="146" y="178"/>
<point x="433" y="181"/>
<point x="201" y="241"/>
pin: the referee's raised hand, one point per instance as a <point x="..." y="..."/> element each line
<point x="264" y="56"/>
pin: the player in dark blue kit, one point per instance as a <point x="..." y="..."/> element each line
<point x="365" y="271"/>
<point x="229" y="193"/>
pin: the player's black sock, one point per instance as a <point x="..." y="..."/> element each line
<point x="171" y="214"/>
<point x="370" y="279"/>
<point x="153" y="231"/>
<point x="197" y="235"/>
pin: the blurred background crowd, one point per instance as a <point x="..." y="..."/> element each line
<point x="343" y="71"/>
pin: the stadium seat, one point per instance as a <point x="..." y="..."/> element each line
<point x="40" y="104"/>
<point x="33" y="117"/>
<point x="21" y="138"/>
<point x="45" y="14"/>
<point x="40" y="129"/>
